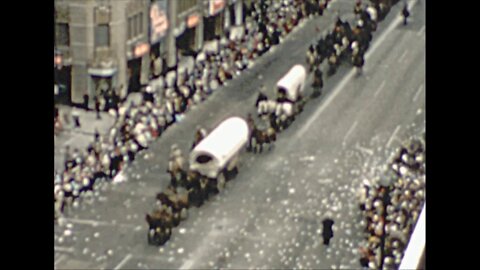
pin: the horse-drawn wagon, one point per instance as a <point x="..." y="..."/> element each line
<point x="290" y="95"/>
<point x="217" y="154"/>
<point x="291" y="85"/>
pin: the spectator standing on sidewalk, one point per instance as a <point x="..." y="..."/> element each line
<point x="85" y="101"/>
<point x="97" y="135"/>
<point x="67" y="157"/>
<point x="97" y="107"/>
<point x="76" y="117"/>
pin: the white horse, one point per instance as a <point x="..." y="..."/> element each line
<point x="284" y="114"/>
<point x="311" y="59"/>
<point x="266" y="107"/>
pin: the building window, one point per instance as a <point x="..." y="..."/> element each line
<point x="129" y="28"/>
<point x="62" y="34"/>
<point x="102" y="35"/>
<point x="135" y="26"/>
<point x="140" y="23"/>
<point x="185" y="5"/>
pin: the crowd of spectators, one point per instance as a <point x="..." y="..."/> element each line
<point x="392" y="207"/>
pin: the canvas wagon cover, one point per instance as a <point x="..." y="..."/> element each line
<point x="223" y="142"/>
<point x="295" y="76"/>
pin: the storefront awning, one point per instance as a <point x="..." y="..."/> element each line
<point x="102" y="72"/>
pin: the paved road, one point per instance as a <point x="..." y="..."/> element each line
<point x="270" y="215"/>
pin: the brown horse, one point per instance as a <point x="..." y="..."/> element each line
<point x="196" y="188"/>
<point x="261" y="137"/>
<point x="160" y="226"/>
<point x="178" y="203"/>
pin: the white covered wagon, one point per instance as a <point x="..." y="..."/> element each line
<point x="218" y="152"/>
<point x="290" y="95"/>
<point x="292" y="84"/>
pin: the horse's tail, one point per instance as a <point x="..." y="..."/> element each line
<point x="148" y="218"/>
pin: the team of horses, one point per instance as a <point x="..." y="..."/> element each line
<point x="187" y="188"/>
<point x="345" y="43"/>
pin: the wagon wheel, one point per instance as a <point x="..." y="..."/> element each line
<point x="150" y="236"/>
<point x="178" y="176"/>
<point x="184" y="214"/>
<point x="221" y="182"/>
<point x="254" y="144"/>
<point x="234" y="171"/>
<point x="176" y="219"/>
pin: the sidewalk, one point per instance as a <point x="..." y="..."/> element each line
<point x="78" y="137"/>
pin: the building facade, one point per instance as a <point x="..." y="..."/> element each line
<point x="105" y="46"/>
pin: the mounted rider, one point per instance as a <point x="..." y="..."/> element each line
<point x="317" y="81"/>
<point x="311" y="57"/>
<point x="261" y="96"/>
<point x="176" y="166"/>
<point x="199" y="135"/>
<point x="251" y="127"/>
<point x="358" y="7"/>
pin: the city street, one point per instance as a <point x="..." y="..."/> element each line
<point x="270" y="215"/>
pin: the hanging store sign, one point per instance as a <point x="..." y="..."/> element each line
<point x="215" y="6"/>
<point x="141" y="49"/>
<point x="158" y="20"/>
<point x="193" y="20"/>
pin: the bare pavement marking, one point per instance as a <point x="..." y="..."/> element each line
<point x="393" y="136"/>
<point x="421" y="31"/>
<point x="61" y="258"/>
<point x="123" y="262"/>
<point x="64" y="249"/>
<point x="379" y="89"/>
<point x="350" y="130"/>
<point x="365" y="150"/>
<point x="403" y="56"/>
<point x="96" y="223"/>
<point x="420" y="88"/>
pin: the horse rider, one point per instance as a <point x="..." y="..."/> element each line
<point x="359" y="35"/>
<point x="251" y="127"/>
<point x="358" y="7"/>
<point x="318" y="81"/>
<point x="250" y="121"/>
<point x="261" y="96"/>
<point x="358" y="61"/>
<point x="175" y="163"/>
<point x="321" y="49"/>
<point x="332" y="64"/>
<point x="339" y="22"/>
<point x="405" y="14"/>
<point x="199" y="135"/>
<point x="310" y="55"/>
